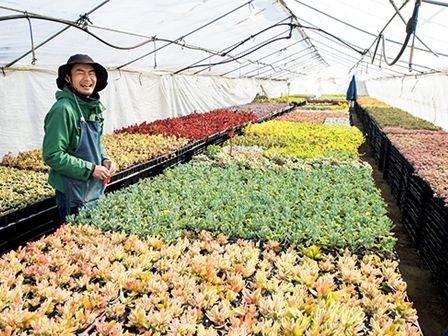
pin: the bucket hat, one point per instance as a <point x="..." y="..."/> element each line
<point x="101" y="72"/>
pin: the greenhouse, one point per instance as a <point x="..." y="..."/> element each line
<point x="203" y="167"/>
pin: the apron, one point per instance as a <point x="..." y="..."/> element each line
<point x="85" y="193"/>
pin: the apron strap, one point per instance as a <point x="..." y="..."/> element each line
<point x="79" y="107"/>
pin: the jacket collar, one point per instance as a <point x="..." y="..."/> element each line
<point x="93" y="105"/>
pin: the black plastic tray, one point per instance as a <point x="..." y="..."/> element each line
<point x="40" y="218"/>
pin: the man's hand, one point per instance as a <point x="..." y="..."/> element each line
<point x="101" y="173"/>
<point x="109" y="164"/>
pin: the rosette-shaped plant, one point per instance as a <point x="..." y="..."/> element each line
<point x="127" y="289"/>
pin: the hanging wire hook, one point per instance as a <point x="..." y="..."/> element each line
<point x="83" y="21"/>
<point x="182" y="43"/>
<point x="414" y="28"/>
<point x="380" y="64"/>
<point x="119" y="72"/>
<point x="33" y="50"/>
<point x="155" y="52"/>
<point x="251" y="5"/>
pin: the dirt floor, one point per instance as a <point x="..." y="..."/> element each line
<point x="428" y="299"/>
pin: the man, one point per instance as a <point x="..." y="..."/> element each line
<point x="79" y="165"/>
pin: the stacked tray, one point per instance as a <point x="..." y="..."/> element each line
<point x="40" y="218"/>
<point x="384" y="152"/>
<point x="425" y="217"/>
<point x="397" y="174"/>
<point x="34" y="223"/>
<point x="434" y="239"/>
<point x="376" y="136"/>
<point x="413" y="207"/>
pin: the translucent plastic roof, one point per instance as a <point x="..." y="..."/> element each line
<point x="227" y="38"/>
<point x="355" y="26"/>
<point x="251" y="38"/>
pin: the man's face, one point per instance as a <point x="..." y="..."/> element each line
<point x="83" y="78"/>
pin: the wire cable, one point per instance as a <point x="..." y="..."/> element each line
<point x="225" y="49"/>
<point x="404" y="21"/>
<point x="180" y="43"/>
<point x="306" y="66"/>
<point x="352" y="57"/>
<point x="291" y="66"/>
<point x="78" y="25"/>
<point x="336" y="41"/>
<point x="51" y="37"/>
<point x="380" y="33"/>
<point x="303" y="63"/>
<point x="189" y="33"/>
<point x="438" y="3"/>
<point x="362" y="30"/>
<point x="397" y="65"/>
<point x="261" y="58"/>
<point x="244" y="54"/>
<point x="82" y="25"/>
<point x="301" y="31"/>
<point x="410" y="29"/>
<point x="335" y="37"/>
<point x="246" y="50"/>
<point x="254" y="35"/>
<point x="350" y="61"/>
<point x="258" y="72"/>
<point x="274" y="40"/>
<point x="280" y="60"/>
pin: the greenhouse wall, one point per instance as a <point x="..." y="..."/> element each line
<point x="131" y="97"/>
<point x="331" y="83"/>
<point x="318" y="85"/>
<point x="423" y="96"/>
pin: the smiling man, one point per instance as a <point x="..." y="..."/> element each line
<point x="79" y="165"/>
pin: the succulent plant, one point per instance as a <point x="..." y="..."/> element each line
<point x="114" y="284"/>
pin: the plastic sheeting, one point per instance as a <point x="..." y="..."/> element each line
<point x="202" y="29"/>
<point x="145" y="89"/>
<point x="130" y="97"/>
<point x="323" y="83"/>
<point x="423" y="96"/>
<point x="357" y="24"/>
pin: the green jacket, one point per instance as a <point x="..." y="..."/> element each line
<point x="62" y="134"/>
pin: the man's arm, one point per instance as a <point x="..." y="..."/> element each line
<point x="59" y="127"/>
